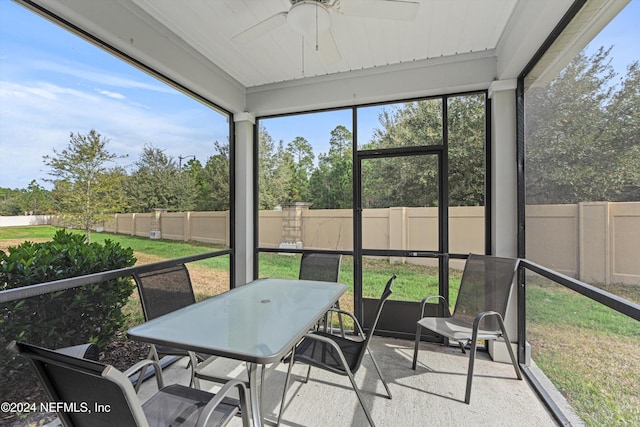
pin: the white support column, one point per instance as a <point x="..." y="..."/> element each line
<point x="504" y="174"/>
<point x="504" y="192"/>
<point x="244" y="124"/>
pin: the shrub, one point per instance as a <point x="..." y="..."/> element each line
<point x="90" y="313"/>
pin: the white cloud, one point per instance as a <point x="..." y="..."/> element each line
<point x="37" y="117"/>
<point x="87" y="73"/>
<point x="109" y="94"/>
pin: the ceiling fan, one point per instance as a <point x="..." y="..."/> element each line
<point x="312" y="18"/>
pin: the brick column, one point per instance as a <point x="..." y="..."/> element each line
<point x="156" y="224"/>
<point x="292" y="224"/>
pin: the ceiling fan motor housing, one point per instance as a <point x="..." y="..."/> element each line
<point x="309" y="17"/>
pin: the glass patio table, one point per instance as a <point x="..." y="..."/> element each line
<point x="258" y="323"/>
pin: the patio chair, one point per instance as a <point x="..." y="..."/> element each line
<point x="95" y="394"/>
<point x="161" y="292"/>
<point x="325" y="268"/>
<point x="339" y="355"/>
<point x="480" y="308"/>
<point x="84" y="351"/>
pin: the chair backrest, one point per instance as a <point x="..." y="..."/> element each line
<point x="320" y="266"/>
<point x="163" y="291"/>
<point x="85" y="387"/>
<point x="485" y="286"/>
<point x="386" y="293"/>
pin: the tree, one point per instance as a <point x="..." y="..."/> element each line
<point x="413" y="181"/>
<point x="624" y="113"/>
<point x="86" y="190"/>
<point x="582" y="133"/>
<point x="11" y="202"/>
<point x="301" y="162"/>
<point x="332" y="182"/>
<point x="212" y="180"/>
<point x="466" y="126"/>
<point x="410" y="124"/>
<point x="36" y="199"/>
<point x="404" y="181"/>
<point x="158" y="183"/>
<point x="274" y="171"/>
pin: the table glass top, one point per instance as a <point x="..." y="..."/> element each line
<point x="258" y="322"/>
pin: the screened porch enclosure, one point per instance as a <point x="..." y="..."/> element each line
<point x="422" y="120"/>
<point x="389" y="185"/>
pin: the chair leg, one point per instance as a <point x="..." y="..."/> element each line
<point x="508" y="343"/>
<point x="472" y="359"/>
<point x="340" y="322"/>
<point x="306" y="380"/>
<point x="263" y="370"/>
<point x="286" y="384"/>
<point x="193" y="360"/>
<point x="384" y="383"/>
<point x="415" y="348"/>
<point x="337" y="305"/>
<point x="472" y="355"/>
<point x="153" y="355"/>
<point x="355" y="388"/>
<point x="328" y="321"/>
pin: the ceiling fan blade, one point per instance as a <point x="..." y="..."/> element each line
<point x="382" y="9"/>
<point x="261" y="28"/>
<point x="328" y="48"/>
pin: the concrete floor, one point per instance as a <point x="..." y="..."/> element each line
<point x="431" y="395"/>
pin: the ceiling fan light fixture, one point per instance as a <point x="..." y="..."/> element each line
<point x="306" y="16"/>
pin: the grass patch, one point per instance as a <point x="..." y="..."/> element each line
<point x="163" y="249"/>
<point x="590" y="352"/>
<point x="564" y="307"/>
<point x="414" y="282"/>
<point x="27" y="233"/>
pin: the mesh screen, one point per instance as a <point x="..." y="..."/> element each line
<point x="180" y="406"/>
<point x="164" y="291"/>
<point x="320" y="267"/>
<point x="485" y="286"/>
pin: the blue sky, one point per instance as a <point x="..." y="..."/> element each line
<point x="53" y="83"/>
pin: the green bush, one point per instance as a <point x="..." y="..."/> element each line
<point x="90" y="313"/>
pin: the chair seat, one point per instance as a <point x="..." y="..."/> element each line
<point x="323" y="355"/>
<point x="184" y="405"/>
<point x="451" y="328"/>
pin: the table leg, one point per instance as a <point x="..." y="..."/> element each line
<point x="254" y="394"/>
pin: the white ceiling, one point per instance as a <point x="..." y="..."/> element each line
<point x="450" y="46"/>
<point x="441" y="28"/>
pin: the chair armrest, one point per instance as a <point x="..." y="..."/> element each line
<point x="346" y="313"/>
<point x="207" y="411"/>
<point x="331" y="342"/>
<point x="339" y="311"/>
<point x="143" y="364"/>
<point x="425" y="300"/>
<point x="482" y="315"/>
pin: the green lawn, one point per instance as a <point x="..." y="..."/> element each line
<point x="27" y="233"/>
<point x="590" y="352"/>
<point x="414" y="282"/>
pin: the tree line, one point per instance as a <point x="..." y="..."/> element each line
<point x="582" y="144"/>
<point x="583" y="134"/>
